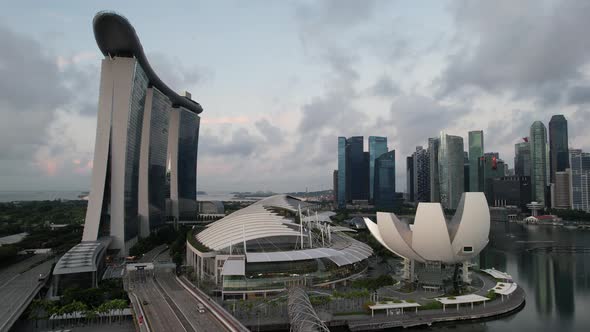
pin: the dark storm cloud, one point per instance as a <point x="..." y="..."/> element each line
<point x="579" y="95"/>
<point x="527" y="48"/>
<point x="385" y="87"/>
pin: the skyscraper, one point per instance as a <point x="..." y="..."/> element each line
<point x="466" y="172"/>
<point x="385" y="181"/>
<point x="183" y="143"/>
<point x="560" y="195"/>
<point x="433" y="150"/>
<point x="342" y="168"/>
<point x="476" y="150"/>
<point x="335" y="186"/>
<point x="421" y="175"/>
<point x="377" y="147"/>
<point x="538" y="141"/>
<point x="579" y="179"/>
<point x="522" y="158"/>
<point x="355" y="178"/>
<point x="450" y="170"/>
<point x="153" y="161"/>
<point x="134" y="108"/>
<point x="490" y="168"/>
<point x="410" y="174"/>
<point x="558" y="147"/>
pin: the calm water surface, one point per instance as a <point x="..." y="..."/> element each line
<point x="557" y="285"/>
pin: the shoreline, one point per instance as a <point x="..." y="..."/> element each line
<point x="494" y="310"/>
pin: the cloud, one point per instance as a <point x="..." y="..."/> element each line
<point x="579" y="95"/>
<point x="273" y="134"/>
<point x="384" y="87"/>
<point x="240" y="144"/>
<point x="527" y="49"/>
<point x="175" y="74"/>
<point x="41" y="102"/>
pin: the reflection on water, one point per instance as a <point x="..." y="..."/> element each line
<point x="557" y="284"/>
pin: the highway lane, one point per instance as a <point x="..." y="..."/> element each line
<point x="10" y="272"/>
<point x="188" y="304"/>
<point x="158" y="312"/>
<point x="17" y="292"/>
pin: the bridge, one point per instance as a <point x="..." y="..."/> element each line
<point x="302" y="316"/>
<point x="19" y="284"/>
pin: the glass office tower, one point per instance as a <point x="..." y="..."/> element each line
<point x="153" y="162"/>
<point x="579" y="179"/>
<point x="538" y="141"/>
<point x="558" y="146"/>
<point x="522" y="158"/>
<point x="433" y="150"/>
<point x="421" y="175"/>
<point x="385" y="181"/>
<point x="184" y="139"/>
<point x="356" y="181"/>
<point x="342" y="195"/>
<point x="476" y="151"/>
<point x="410" y="177"/>
<point x="450" y="170"/>
<point x="377" y="147"/>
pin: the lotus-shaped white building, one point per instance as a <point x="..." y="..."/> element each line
<point x="431" y="238"/>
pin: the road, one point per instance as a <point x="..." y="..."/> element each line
<point x="18" y="287"/>
<point x="158" y="312"/>
<point x="187" y="304"/>
<point x="166" y="304"/>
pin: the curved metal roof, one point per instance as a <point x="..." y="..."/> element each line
<point x="260" y="220"/>
<point x="253" y="222"/>
<point x="83" y="257"/>
<point x="115" y="36"/>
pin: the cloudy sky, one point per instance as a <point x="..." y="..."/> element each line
<point x="280" y="80"/>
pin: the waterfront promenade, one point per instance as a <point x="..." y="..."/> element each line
<point x="493" y="308"/>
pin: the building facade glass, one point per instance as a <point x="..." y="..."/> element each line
<point x="579" y="180"/>
<point x="160" y="120"/>
<point x="510" y="190"/>
<point x="188" y="142"/>
<point x="410" y="177"/>
<point x="385" y="181"/>
<point x="522" y="158"/>
<point x="356" y="181"/>
<point x="342" y="196"/>
<point x="539" y="170"/>
<point x="421" y="175"/>
<point x="558" y="146"/>
<point x="134" y="126"/>
<point x="433" y="149"/>
<point x="377" y="147"/>
<point x="476" y="151"/>
<point x="450" y="170"/>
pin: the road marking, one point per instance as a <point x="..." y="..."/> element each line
<point x="168" y="304"/>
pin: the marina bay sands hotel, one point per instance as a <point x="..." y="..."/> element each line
<point x="147" y="135"/>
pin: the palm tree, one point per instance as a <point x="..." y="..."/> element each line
<point x="91" y="314"/>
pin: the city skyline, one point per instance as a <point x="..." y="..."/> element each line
<point x="309" y="86"/>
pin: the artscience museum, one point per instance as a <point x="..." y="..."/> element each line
<point x="436" y="251"/>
